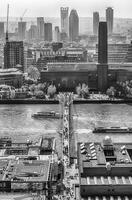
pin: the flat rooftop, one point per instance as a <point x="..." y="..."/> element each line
<point x="28" y="171"/>
<point x="105" y="170"/>
<point x="94" y="157"/>
<point x="26" y="146"/>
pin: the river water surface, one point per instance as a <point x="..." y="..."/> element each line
<point x="16" y="121"/>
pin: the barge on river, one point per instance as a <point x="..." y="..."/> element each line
<point x="112" y="130"/>
<point x="47" y="114"/>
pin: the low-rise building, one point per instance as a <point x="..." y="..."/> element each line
<point x="12" y="77"/>
<point x="28" y="166"/>
<point x="105" y="170"/>
<point x="116" y="53"/>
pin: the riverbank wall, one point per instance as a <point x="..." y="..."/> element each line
<point x="51" y="101"/>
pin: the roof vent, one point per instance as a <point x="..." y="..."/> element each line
<point x="107" y="141"/>
<point x="108" y="166"/>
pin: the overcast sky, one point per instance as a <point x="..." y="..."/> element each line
<point x="51" y="8"/>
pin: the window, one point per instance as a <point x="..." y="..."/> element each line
<point x="130" y="153"/>
<point x="109" y="152"/>
<point x="109" y="155"/>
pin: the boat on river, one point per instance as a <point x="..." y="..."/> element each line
<point x="112" y="130"/>
<point x="47" y="114"/>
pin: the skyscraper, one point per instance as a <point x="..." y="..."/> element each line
<point x="48" y="32"/>
<point x="21" y="30"/>
<point x="1" y="29"/>
<point x="13" y="54"/>
<point x="64" y="20"/>
<point x="73" y="25"/>
<point x="40" y="26"/>
<point x="109" y="20"/>
<point x="95" y="23"/>
<point x="56" y="34"/>
<point x="32" y="32"/>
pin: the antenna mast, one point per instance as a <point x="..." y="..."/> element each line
<point x="7" y="23"/>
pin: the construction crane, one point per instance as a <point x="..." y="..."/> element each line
<point x="7" y="23"/>
<point x="21" y="18"/>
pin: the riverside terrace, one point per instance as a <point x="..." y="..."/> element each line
<point x="28" y="167"/>
<point x="105" y="170"/>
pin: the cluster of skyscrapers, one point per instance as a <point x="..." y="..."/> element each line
<point x="68" y="30"/>
<point x="44" y="31"/>
<point x="69" y="24"/>
<point x="109" y="20"/>
<point x="14" y="50"/>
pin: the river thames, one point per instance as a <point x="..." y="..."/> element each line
<point x="16" y="121"/>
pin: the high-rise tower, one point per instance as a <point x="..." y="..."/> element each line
<point x="40" y="26"/>
<point x="95" y="23"/>
<point x="102" y="67"/>
<point x="32" y="32"/>
<point x="2" y="29"/>
<point x="48" y="31"/>
<point x="21" y="30"/>
<point x="64" y="20"/>
<point x="56" y="34"/>
<point x="73" y="25"/>
<point x="109" y="19"/>
<point x="13" y="54"/>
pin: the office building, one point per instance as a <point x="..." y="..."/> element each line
<point x="48" y="31"/>
<point x="21" y="30"/>
<point x="2" y="29"/>
<point x="40" y="26"/>
<point x="13" y="54"/>
<point x="64" y="20"/>
<point x="109" y="20"/>
<point x="117" y="53"/>
<point x="32" y="33"/>
<point x="56" y="36"/>
<point x="12" y="77"/>
<point x="56" y="46"/>
<point x="73" y="25"/>
<point x="95" y="23"/>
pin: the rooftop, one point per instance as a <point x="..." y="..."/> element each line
<point x="28" y="171"/>
<point x="71" y="66"/>
<point x="95" y="157"/>
<point x="105" y="170"/>
<point x="10" y="71"/>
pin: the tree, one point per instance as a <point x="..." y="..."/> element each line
<point x="111" y="91"/>
<point x="85" y="90"/>
<point x="39" y="94"/>
<point x="33" y="73"/>
<point x="78" y="90"/>
<point x="51" y="91"/>
<point x="29" y="81"/>
<point x="42" y="86"/>
<point x="12" y="94"/>
<point x="32" y="88"/>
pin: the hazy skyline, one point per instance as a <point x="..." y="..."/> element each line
<point x="51" y="8"/>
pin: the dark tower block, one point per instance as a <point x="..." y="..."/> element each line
<point x="102" y="47"/>
<point x="13" y="54"/>
<point x="102" y="68"/>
